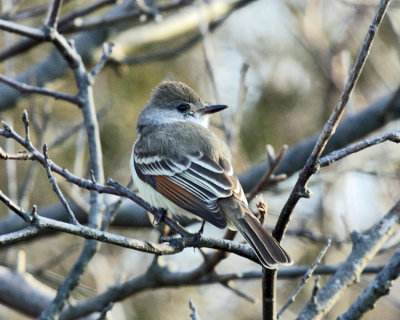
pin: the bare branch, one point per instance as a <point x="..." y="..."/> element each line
<point x="116" y="188"/>
<point x="167" y="278"/>
<point x="365" y="246"/>
<point x="29" y="32"/>
<point x="26" y="88"/>
<point x="18" y="156"/>
<point x="175" y="245"/>
<point x="19" y="235"/>
<point x="86" y="102"/>
<point x="87" y="42"/>
<point x="379" y="287"/>
<point x="300" y="189"/>
<point x="123" y="16"/>
<point x="52" y="14"/>
<point x="327" y="160"/>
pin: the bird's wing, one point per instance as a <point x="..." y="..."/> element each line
<point x="193" y="182"/>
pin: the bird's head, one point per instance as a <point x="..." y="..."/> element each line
<point x="173" y="101"/>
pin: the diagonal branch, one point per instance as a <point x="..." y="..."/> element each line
<point x="56" y="189"/>
<point x="376" y="289"/>
<point x="300" y="189"/>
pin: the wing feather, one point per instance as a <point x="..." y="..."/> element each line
<point x="195" y="183"/>
<point x="186" y="200"/>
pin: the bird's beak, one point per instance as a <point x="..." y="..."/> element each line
<point x="212" y="109"/>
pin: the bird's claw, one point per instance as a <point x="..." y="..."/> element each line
<point x="161" y="213"/>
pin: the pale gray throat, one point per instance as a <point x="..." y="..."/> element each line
<point x="155" y="118"/>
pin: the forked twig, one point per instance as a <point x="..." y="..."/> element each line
<point x="274" y="162"/>
<point x="305" y="278"/>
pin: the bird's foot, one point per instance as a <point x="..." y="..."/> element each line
<point x="161" y="213"/>
<point x="201" y="230"/>
<point x="197" y="236"/>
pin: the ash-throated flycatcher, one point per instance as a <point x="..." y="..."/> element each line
<point x="179" y="165"/>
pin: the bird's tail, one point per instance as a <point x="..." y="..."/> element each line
<point x="268" y="250"/>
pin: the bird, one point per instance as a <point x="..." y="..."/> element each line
<point x="181" y="166"/>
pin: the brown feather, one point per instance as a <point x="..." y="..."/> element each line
<point x="268" y="250"/>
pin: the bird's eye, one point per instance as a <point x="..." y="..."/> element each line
<point x="183" y="108"/>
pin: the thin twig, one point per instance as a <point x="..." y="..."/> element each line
<point x="66" y="24"/>
<point x="78" y="163"/>
<point x="29" y="180"/>
<point x="305" y="278"/>
<point x="193" y="310"/>
<point x="106" y="21"/>
<point x="107" y="49"/>
<point x="330" y="158"/>
<point x="238" y="292"/>
<point x="19" y="156"/>
<point x="29" y="32"/>
<point x="25" y="120"/>
<point x="26" y="88"/>
<point x="274" y="162"/>
<point x="26" y="13"/>
<point x="56" y="189"/>
<point x="313" y="236"/>
<point x="106" y="309"/>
